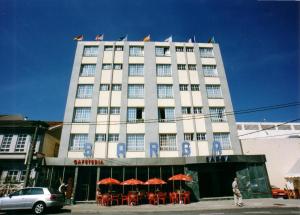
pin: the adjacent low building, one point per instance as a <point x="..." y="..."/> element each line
<point x="280" y="142"/>
<point x="16" y="137"/>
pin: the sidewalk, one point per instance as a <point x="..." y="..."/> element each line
<point x="202" y="205"/>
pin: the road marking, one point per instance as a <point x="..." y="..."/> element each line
<point x="257" y="212"/>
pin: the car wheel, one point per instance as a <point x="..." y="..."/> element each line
<point x="39" y="208"/>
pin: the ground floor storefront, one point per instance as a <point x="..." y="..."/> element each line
<point x="212" y="176"/>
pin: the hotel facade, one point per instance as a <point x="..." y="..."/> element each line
<point x="152" y="109"/>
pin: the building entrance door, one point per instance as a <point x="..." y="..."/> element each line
<point x="86" y="184"/>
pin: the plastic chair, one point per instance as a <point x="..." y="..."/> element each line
<point x="132" y="199"/>
<point x="173" y="198"/>
<point x="106" y="201"/>
<point x="162" y="197"/>
<point x="124" y="199"/>
<point x="152" y="199"/>
<point x="186" y="197"/>
<point x="115" y="198"/>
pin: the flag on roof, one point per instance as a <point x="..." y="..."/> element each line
<point x="99" y="37"/>
<point x="192" y="40"/>
<point x="78" y="38"/>
<point x="212" y="40"/>
<point x="124" y="38"/>
<point x="147" y="39"/>
<point x="169" y="39"/>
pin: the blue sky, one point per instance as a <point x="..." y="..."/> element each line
<point x="259" y="41"/>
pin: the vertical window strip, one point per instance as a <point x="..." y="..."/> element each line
<point x="163" y="70"/>
<point x="88" y="70"/>
<point x="214" y="91"/>
<point x="136" y="70"/>
<point x="78" y="141"/>
<point x="84" y="91"/>
<point x="224" y="140"/>
<point x="82" y="114"/>
<point x="135" y="142"/>
<point x="90" y="51"/>
<point x="167" y="142"/>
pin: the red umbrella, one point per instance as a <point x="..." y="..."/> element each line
<point x="132" y="182"/>
<point x="154" y="181"/>
<point x="180" y="177"/>
<point x="109" y="181"/>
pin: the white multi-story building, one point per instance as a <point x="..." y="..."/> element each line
<point x="145" y="109"/>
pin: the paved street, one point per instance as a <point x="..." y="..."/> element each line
<point x="219" y="207"/>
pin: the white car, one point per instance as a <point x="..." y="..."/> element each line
<point x="35" y="198"/>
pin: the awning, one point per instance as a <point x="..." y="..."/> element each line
<point x="294" y="172"/>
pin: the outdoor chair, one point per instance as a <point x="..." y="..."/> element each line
<point x="124" y="199"/>
<point x="132" y="199"/>
<point x="106" y="201"/>
<point x="186" y="197"/>
<point x="173" y="197"/>
<point x="115" y="198"/>
<point x="152" y="199"/>
<point x="162" y="197"/>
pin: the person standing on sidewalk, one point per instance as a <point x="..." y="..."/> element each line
<point x="238" y="201"/>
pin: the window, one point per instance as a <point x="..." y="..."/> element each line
<point x="12" y="176"/>
<point x="117" y="66"/>
<point x="192" y="67"/>
<point x="103" y="110"/>
<point x="201" y="136"/>
<point x="167" y="142"/>
<point x="162" y="51"/>
<point x="115" y="110"/>
<point x="206" y="52"/>
<point x="135" y="142"/>
<point x="217" y="114"/>
<point x="163" y="70"/>
<point x="197" y="110"/>
<point x="84" y="91"/>
<point x="22" y="176"/>
<point x="164" y="91"/>
<point x="213" y="91"/>
<point x="108" y="48"/>
<point x="119" y="48"/>
<point x="166" y="114"/>
<point x="82" y="114"/>
<point x="116" y="87"/>
<point x="106" y="66"/>
<point x="189" y="49"/>
<point x="88" y="70"/>
<point x="104" y="87"/>
<point x="210" y="70"/>
<point x="181" y="66"/>
<point x="195" y="87"/>
<point x="186" y="110"/>
<point x="6" y="141"/>
<point x="224" y="139"/>
<point x="36" y="191"/>
<point x="136" y="51"/>
<point x="136" y="70"/>
<point x="135" y="91"/>
<point x="21" y="143"/>
<point x="135" y="115"/>
<point x="183" y="87"/>
<point x="77" y="141"/>
<point x="113" y="137"/>
<point x="100" y="137"/>
<point x="179" y="49"/>
<point x="188" y="136"/>
<point x="90" y="51"/>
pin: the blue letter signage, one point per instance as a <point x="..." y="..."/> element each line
<point x="87" y="150"/>
<point x="153" y="149"/>
<point x="121" y="150"/>
<point x="186" y="149"/>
